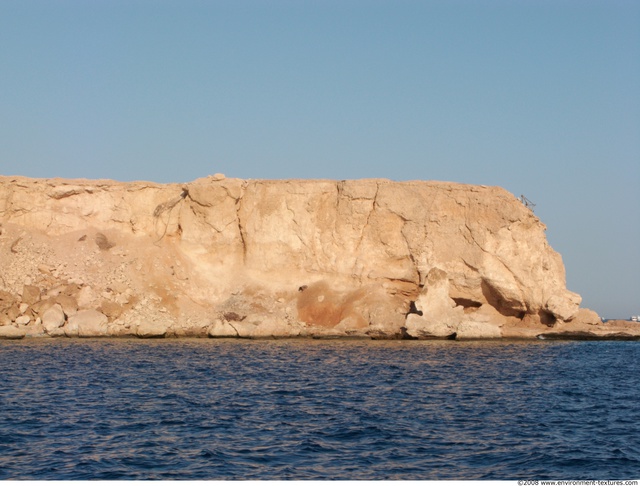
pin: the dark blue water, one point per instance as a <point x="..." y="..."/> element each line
<point x="210" y="409"/>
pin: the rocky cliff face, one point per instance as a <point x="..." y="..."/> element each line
<point x="235" y="258"/>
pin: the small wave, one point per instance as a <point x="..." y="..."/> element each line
<point x="116" y="410"/>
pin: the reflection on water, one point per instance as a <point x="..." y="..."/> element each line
<point x="305" y="409"/>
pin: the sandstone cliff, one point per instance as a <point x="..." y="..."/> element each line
<point x="255" y="258"/>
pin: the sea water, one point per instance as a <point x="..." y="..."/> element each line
<point x="308" y="409"/>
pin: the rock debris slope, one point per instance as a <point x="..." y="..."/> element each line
<point x="226" y="257"/>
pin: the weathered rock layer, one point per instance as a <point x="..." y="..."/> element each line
<point x="225" y="257"/>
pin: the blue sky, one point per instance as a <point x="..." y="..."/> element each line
<point x="539" y="97"/>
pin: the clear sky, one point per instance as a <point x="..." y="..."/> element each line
<point x="539" y="97"/>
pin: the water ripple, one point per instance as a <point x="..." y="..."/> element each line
<point x="218" y="409"/>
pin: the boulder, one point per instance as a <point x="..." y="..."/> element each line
<point x="30" y="294"/>
<point x="484" y="322"/>
<point x="87" y="323"/>
<point x="478" y="330"/>
<point x="68" y="303"/>
<point x="563" y="306"/>
<point x="35" y="328"/>
<point x="118" y="330"/>
<point x="10" y="332"/>
<point x="42" y="306"/>
<point x="86" y="297"/>
<point x="586" y="317"/>
<point x="151" y="329"/>
<point x="111" y="309"/>
<point x="13" y="312"/>
<point x="6" y="300"/>
<point x="23" y="320"/>
<point x="53" y="319"/>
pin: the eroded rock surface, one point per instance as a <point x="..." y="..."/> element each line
<point x="225" y="257"/>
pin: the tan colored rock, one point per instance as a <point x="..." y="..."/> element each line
<point x="586" y="317"/>
<point x="13" y="312"/>
<point x="193" y="331"/>
<point x="245" y="328"/>
<point x="271" y="328"/>
<point x="440" y="315"/>
<point x="122" y="299"/>
<point x="364" y="250"/>
<point x="35" y="328"/>
<point x="351" y="325"/>
<point x="484" y="322"/>
<point x="222" y="329"/>
<point x="30" y="294"/>
<point x="87" y="323"/>
<point x="57" y="290"/>
<point x="6" y="300"/>
<point x="68" y="303"/>
<point x="10" y="332"/>
<point x="87" y="297"/>
<point x="564" y="306"/>
<point x="42" y="306"/>
<point x="45" y="269"/>
<point x="53" y="319"/>
<point x="151" y="329"/>
<point x="70" y="329"/>
<point x="111" y="309"/>
<point x="22" y="320"/>
<point x="478" y="330"/>
<point x="116" y="330"/>
<point x="72" y="288"/>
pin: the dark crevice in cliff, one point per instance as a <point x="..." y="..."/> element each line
<point x="547" y="318"/>
<point x="467" y="303"/>
<point x="234" y="328"/>
<point x="241" y="229"/>
<point x="473" y="238"/>
<point x="413" y="309"/>
<point x="404" y="335"/>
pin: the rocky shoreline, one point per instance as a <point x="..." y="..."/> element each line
<point x="229" y="258"/>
